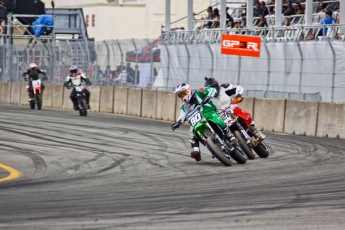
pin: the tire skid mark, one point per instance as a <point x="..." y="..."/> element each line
<point x="39" y="163"/>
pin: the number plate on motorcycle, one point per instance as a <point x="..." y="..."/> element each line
<point x="79" y="88"/>
<point x="194" y="118"/>
<point x="36" y="83"/>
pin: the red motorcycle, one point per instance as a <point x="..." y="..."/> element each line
<point x="37" y="91"/>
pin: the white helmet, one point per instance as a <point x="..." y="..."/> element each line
<point x="33" y="66"/>
<point x="184" y="91"/>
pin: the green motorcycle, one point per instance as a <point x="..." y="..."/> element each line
<point x="211" y="136"/>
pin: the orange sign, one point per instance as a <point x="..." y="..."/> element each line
<point x="241" y="45"/>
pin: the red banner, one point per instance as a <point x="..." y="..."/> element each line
<point x="241" y="45"/>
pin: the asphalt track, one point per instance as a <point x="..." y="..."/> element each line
<point x="107" y="171"/>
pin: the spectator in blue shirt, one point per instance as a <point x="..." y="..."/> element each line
<point x="329" y="20"/>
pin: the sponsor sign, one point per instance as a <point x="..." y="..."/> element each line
<point x="241" y="45"/>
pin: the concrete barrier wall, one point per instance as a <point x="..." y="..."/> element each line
<point x="120" y="100"/>
<point x="5" y="92"/>
<point x="47" y="95"/>
<point x="66" y="102"/>
<point x="24" y="94"/>
<point x="166" y="105"/>
<point x="269" y="114"/>
<point x="15" y="93"/>
<point x="134" y="101"/>
<point x="301" y="117"/>
<point x="149" y="103"/>
<point x="106" y="101"/>
<point x="94" y="98"/>
<point x="331" y="120"/>
<point x="58" y="96"/>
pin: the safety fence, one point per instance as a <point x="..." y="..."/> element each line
<point x="300" y="70"/>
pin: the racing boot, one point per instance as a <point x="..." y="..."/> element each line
<point x="230" y="136"/>
<point x="196" y="154"/>
<point x="195" y="146"/>
<point x="256" y="132"/>
<point x="30" y="97"/>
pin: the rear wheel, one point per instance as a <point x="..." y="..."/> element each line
<point x="262" y="150"/>
<point x="83" y="108"/>
<point x="247" y="150"/>
<point x="39" y="101"/>
<point x="217" y="153"/>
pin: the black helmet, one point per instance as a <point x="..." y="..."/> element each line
<point x="212" y="82"/>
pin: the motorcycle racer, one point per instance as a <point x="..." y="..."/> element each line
<point x="192" y="98"/>
<point x="33" y="73"/>
<point x="76" y="78"/>
<point x="225" y="94"/>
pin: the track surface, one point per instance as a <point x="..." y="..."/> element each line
<point x="114" y="172"/>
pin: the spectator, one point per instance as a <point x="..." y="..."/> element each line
<point x="228" y="17"/>
<point x="261" y="22"/>
<point x="209" y="16"/>
<point x="290" y="10"/>
<point x="329" y="20"/>
<point x="129" y="71"/>
<point x="100" y="76"/>
<point x="216" y="16"/>
<point x="287" y="21"/>
<point x="257" y="10"/>
<point x="3" y="17"/>
<point x="244" y="22"/>
<point x="122" y="77"/>
<point x="136" y="74"/>
<point x="264" y="8"/>
<point x="108" y="73"/>
<point x="299" y="8"/>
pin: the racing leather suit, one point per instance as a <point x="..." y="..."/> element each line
<point x="208" y="110"/>
<point x="34" y="75"/>
<point x="76" y="80"/>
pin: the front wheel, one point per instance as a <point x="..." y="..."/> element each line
<point x="39" y="101"/>
<point x="262" y="150"/>
<point x="217" y="153"/>
<point x="244" y="145"/>
<point x="82" y="107"/>
<point x="239" y="156"/>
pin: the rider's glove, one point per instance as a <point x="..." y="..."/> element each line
<point x="176" y="125"/>
<point x="44" y="78"/>
<point x="206" y="100"/>
<point x="238" y="95"/>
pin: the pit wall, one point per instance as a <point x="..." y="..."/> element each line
<point x="308" y="118"/>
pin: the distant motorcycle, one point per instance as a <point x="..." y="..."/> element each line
<point x="242" y="132"/>
<point x="37" y="91"/>
<point x="81" y="98"/>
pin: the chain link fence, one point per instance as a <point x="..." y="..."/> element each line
<point x="102" y="62"/>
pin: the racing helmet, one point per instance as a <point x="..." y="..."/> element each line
<point x="33" y="66"/>
<point x="73" y="69"/>
<point x="212" y="82"/>
<point x="184" y="92"/>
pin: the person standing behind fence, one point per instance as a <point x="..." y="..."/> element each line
<point x="3" y="17"/>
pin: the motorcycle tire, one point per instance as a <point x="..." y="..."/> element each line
<point x="262" y="150"/>
<point x="238" y="156"/>
<point x="32" y="104"/>
<point x="82" y="107"/>
<point x="212" y="147"/>
<point x="39" y="101"/>
<point x="242" y="141"/>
